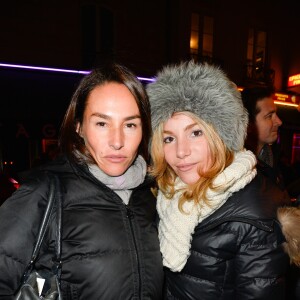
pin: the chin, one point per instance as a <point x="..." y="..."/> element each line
<point x="115" y="173"/>
<point x="189" y="180"/>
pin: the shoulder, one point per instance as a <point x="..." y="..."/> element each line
<point x="34" y="189"/>
<point x="256" y="203"/>
<point x="262" y="197"/>
<point x="21" y="215"/>
<point x="60" y="165"/>
<point x="259" y="199"/>
<point x="272" y="173"/>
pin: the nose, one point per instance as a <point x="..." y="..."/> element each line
<point x="116" y="140"/>
<point x="183" y="149"/>
<point x="277" y="120"/>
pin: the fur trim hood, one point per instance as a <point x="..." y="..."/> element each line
<point x="207" y="92"/>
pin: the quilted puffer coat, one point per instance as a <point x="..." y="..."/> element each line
<point x="109" y="250"/>
<point x="237" y="252"/>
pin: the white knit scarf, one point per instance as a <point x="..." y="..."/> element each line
<point x="176" y="228"/>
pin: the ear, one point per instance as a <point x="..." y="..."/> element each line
<point x="78" y="129"/>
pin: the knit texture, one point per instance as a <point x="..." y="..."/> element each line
<point x="176" y="228"/>
<point x="123" y="184"/>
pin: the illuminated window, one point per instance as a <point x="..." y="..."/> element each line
<point x="194" y="40"/>
<point x="201" y="40"/>
<point x="256" y="53"/>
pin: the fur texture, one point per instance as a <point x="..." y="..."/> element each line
<point x="289" y="218"/>
<point x="204" y="90"/>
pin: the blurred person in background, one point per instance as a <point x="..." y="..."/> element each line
<point x="262" y="135"/>
<point x="262" y="130"/>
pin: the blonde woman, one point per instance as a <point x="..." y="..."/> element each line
<point x="219" y="234"/>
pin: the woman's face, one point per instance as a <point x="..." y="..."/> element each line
<point x="185" y="147"/>
<point x="112" y="128"/>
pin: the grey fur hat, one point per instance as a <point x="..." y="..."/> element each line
<point x="207" y="92"/>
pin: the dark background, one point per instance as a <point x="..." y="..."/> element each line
<point x="144" y="35"/>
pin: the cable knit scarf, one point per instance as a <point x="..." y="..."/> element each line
<point x="176" y="228"/>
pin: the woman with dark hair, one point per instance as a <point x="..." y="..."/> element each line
<point x="110" y="248"/>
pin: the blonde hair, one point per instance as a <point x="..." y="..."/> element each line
<point x="221" y="157"/>
<point x="289" y="218"/>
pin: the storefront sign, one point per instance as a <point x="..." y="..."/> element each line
<point x="286" y="99"/>
<point x="294" y="80"/>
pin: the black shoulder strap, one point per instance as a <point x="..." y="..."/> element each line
<point x="55" y="197"/>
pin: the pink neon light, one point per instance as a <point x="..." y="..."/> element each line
<point x="58" y="70"/>
<point x="42" y="68"/>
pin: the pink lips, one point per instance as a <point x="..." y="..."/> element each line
<point x="185" y="167"/>
<point x="115" y="158"/>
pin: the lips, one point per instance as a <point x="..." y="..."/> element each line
<point x="185" y="167"/>
<point x="115" y="158"/>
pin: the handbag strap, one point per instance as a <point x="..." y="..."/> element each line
<point x="55" y="197"/>
<point x="58" y="224"/>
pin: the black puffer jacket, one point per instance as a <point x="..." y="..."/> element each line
<point x="237" y="253"/>
<point x="109" y="250"/>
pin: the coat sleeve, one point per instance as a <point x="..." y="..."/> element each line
<point x="20" y="218"/>
<point x="260" y="264"/>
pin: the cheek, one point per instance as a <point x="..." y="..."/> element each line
<point x="204" y="156"/>
<point x="92" y="141"/>
<point x="135" y="141"/>
<point x="168" y="155"/>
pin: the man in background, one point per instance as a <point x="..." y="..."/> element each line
<point x="262" y="134"/>
<point x="263" y="129"/>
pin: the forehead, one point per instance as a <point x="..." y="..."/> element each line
<point x="112" y="96"/>
<point x="179" y="121"/>
<point x="265" y="105"/>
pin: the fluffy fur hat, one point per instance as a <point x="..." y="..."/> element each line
<point x="204" y="90"/>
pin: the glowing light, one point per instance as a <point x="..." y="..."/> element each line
<point x="48" y="69"/>
<point x="286" y="104"/>
<point x="294" y="80"/>
<point x="43" y="69"/>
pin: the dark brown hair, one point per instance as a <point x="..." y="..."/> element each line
<point x="69" y="140"/>
<point x="250" y="97"/>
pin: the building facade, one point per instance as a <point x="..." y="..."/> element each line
<point x="254" y="41"/>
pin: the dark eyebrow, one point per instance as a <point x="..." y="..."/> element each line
<point x="106" y="117"/>
<point x="270" y="113"/>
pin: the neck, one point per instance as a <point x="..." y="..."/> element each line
<point x="259" y="148"/>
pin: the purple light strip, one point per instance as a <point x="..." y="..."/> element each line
<point x="43" y="69"/>
<point x="58" y="70"/>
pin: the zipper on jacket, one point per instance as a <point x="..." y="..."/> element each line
<point x="130" y="216"/>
